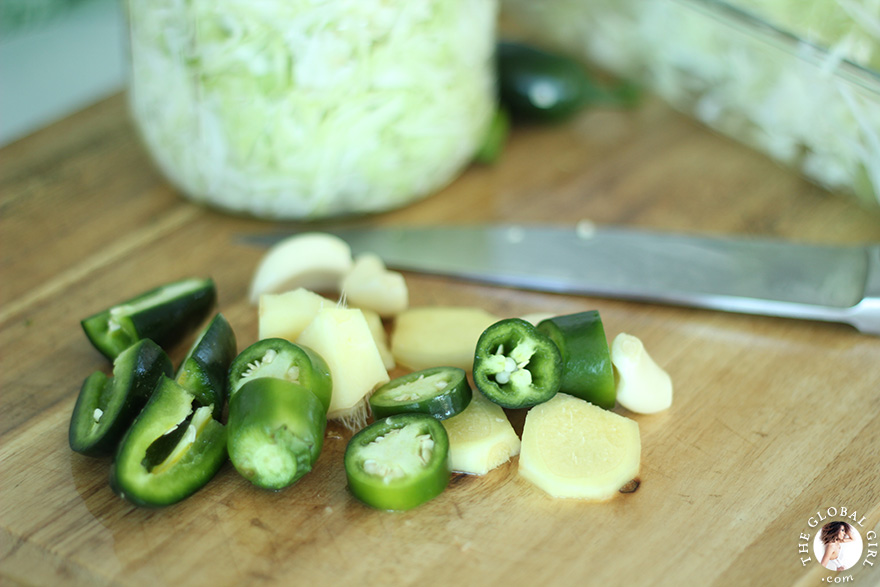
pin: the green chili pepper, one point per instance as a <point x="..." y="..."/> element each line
<point x="587" y="372"/>
<point x="164" y="314"/>
<point x="399" y="462"/>
<point x="171" y="451"/>
<point x="276" y="431"/>
<point x="516" y="366"/>
<point x="107" y="406"/>
<point x="282" y="359"/>
<point x="539" y="85"/>
<point x="493" y="142"/>
<point x="204" y="370"/>
<point x="441" y="392"/>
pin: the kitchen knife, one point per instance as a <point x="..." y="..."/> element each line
<point x="757" y="276"/>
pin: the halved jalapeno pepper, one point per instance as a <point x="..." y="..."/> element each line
<point x="164" y="314"/>
<point x="515" y="366"/>
<point x="587" y="371"/>
<point x="106" y="406"/>
<point x="171" y="451"/>
<point x="282" y="359"/>
<point x="276" y="431"/>
<point x="399" y="462"/>
<point x="204" y="370"/>
<point x="441" y="392"/>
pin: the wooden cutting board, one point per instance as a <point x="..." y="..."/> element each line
<point x="774" y="422"/>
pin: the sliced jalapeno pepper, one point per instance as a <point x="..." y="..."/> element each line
<point x="171" y="451"/>
<point x="164" y="314"/>
<point x="399" y="462"/>
<point x="516" y="366"/>
<point x="441" y="392"/>
<point x="534" y="84"/>
<point x="106" y="406"/>
<point x="282" y="359"/>
<point x="203" y="371"/>
<point x="587" y="371"/>
<point x="276" y="431"/>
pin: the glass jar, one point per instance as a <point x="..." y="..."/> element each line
<point x="798" y="81"/>
<point x="303" y="109"/>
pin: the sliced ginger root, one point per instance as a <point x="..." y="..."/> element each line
<point x="480" y="438"/>
<point x="429" y="336"/>
<point x="571" y="448"/>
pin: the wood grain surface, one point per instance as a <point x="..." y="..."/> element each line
<point x="774" y="420"/>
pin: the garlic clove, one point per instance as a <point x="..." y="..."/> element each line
<point x="316" y="261"/>
<point x="643" y="386"/>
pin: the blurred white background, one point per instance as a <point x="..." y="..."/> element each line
<point x="57" y="57"/>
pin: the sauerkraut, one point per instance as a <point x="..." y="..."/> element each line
<point x="301" y="109"/>
<point x="811" y="106"/>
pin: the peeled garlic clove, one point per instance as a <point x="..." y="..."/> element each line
<point x="370" y="286"/>
<point x="315" y="261"/>
<point x="643" y="386"/>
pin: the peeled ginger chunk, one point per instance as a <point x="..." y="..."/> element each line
<point x="312" y="260"/>
<point x="643" y="386"/>
<point x="432" y="336"/>
<point x="480" y="438"/>
<point x="571" y="448"/>
<point x="370" y="286"/>
<point x="286" y="315"/>
<point x="380" y="337"/>
<point x="343" y="338"/>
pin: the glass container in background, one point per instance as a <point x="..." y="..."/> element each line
<point x="796" y="79"/>
<point x="304" y="109"/>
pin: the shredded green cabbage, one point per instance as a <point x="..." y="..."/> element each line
<point x="813" y="107"/>
<point x="302" y="109"/>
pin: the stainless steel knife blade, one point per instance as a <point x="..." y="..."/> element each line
<point x="757" y="276"/>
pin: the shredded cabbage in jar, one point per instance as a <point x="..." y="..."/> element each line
<point x="799" y="102"/>
<point x="302" y="109"/>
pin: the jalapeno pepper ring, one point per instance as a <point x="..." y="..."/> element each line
<point x="516" y="366"/>
<point x="441" y="392"/>
<point x="399" y="462"/>
<point x="281" y="359"/>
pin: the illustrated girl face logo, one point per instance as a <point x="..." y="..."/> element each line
<point x="838" y="546"/>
